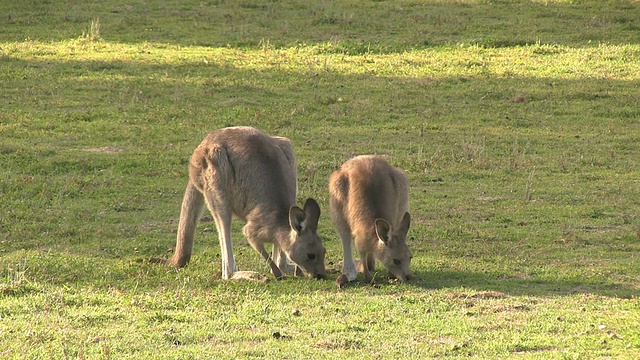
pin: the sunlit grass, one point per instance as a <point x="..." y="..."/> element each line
<point x="605" y="61"/>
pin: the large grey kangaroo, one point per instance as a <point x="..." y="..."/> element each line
<point x="242" y="172"/>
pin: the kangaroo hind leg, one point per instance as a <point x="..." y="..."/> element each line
<point x="212" y="167"/>
<point x="339" y="193"/>
<point x="220" y="207"/>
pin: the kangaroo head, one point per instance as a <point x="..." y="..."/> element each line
<point x="393" y="251"/>
<point x="307" y="250"/>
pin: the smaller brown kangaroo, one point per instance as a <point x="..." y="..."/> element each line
<point x="369" y="206"/>
<point x="242" y="172"/>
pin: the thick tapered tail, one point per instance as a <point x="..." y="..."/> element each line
<point x="192" y="206"/>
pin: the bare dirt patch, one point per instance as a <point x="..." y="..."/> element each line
<point x="105" y="150"/>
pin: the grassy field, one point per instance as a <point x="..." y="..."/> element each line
<point x="518" y="123"/>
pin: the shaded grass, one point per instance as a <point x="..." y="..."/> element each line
<point x="356" y="27"/>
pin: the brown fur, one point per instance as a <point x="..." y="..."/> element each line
<point x="369" y="206"/>
<point x="242" y="172"/>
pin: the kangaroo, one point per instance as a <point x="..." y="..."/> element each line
<point x="369" y="205"/>
<point x="242" y="172"/>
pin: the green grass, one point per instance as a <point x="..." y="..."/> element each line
<point x="517" y="122"/>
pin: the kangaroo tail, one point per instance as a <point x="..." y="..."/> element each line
<point x="192" y="206"/>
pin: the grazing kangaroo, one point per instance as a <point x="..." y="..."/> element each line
<point x="242" y="172"/>
<point x="369" y="205"/>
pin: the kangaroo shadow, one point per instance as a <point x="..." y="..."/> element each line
<point x="520" y="286"/>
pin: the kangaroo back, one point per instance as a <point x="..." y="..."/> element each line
<point x="259" y="171"/>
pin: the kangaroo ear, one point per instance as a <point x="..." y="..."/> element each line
<point x="297" y="219"/>
<point x="383" y="230"/>
<point x="403" y="228"/>
<point x="312" y="212"/>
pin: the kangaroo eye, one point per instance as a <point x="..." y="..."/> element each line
<point x="311" y="256"/>
<point x="397" y="261"/>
